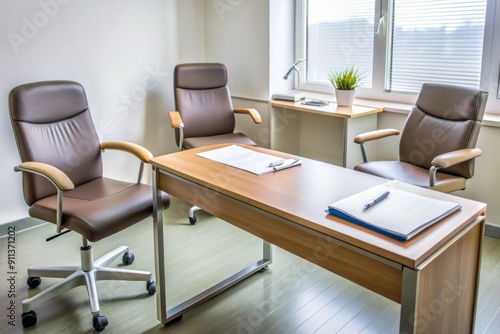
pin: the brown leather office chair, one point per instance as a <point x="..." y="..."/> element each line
<point x="437" y="148"/>
<point x="204" y="111"/>
<point x="63" y="184"/>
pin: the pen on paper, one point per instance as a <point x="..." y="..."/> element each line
<point x="376" y="200"/>
<point x="290" y="162"/>
<point x="276" y="163"/>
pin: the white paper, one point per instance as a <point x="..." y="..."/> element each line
<point x="249" y="160"/>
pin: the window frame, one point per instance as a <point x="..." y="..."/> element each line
<point x="381" y="55"/>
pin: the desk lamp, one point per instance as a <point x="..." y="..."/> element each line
<point x="293" y="95"/>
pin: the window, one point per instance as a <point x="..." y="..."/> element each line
<point x="398" y="44"/>
<point x="339" y="36"/>
<point x="436" y="41"/>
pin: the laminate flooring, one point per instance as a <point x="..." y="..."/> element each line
<point x="292" y="296"/>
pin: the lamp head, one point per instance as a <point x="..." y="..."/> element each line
<point x="294" y="67"/>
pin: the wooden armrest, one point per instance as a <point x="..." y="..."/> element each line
<point x="455" y="157"/>
<point x="175" y="119"/>
<point x="377" y="134"/>
<point x="54" y="174"/>
<point x="140" y="152"/>
<point x="250" y="111"/>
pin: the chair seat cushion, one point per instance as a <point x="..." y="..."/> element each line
<point x="405" y="172"/>
<point x="100" y="208"/>
<point x="233" y="138"/>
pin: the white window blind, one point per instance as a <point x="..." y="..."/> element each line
<point x="339" y="33"/>
<point x="438" y="41"/>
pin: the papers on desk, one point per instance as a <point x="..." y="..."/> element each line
<point x="252" y="161"/>
<point x="401" y="215"/>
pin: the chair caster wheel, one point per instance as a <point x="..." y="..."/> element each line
<point x="28" y="318"/>
<point x="179" y="318"/>
<point x="100" y="322"/>
<point x="192" y="220"/>
<point x="33" y="282"/>
<point x="128" y="258"/>
<point x="151" y="287"/>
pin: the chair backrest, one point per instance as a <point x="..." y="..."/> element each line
<point x="203" y="99"/>
<point x="445" y="118"/>
<point x="52" y="124"/>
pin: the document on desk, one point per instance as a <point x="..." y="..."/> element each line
<point x="249" y="160"/>
<point x="400" y="215"/>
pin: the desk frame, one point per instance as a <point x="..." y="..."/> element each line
<point x="175" y="313"/>
<point x="431" y="296"/>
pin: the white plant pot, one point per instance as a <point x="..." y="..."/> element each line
<point x="345" y="98"/>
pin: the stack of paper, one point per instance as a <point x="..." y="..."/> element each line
<point x="401" y="215"/>
<point x="293" y="96"/>
<point x="252" y="161"/>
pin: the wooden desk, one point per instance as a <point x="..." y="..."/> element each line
<point x="304" y="130"/>
<point x="434" y="276"/>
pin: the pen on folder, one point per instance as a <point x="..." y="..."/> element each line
<point x="376" y="200"/>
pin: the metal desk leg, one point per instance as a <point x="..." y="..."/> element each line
<point x="165" y="315"/>
<point x="408" y="301"/>
<point x="161" y="293"/>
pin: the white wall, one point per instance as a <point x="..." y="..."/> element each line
<point x="255" y="40"/>
<point x="237" y="35"/>
<point x="123" y="53"/>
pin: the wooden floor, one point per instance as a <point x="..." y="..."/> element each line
<point x="293" y="296"/>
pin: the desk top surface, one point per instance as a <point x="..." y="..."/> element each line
<point x="329" y="110"/>
<point x="301" y="195"/>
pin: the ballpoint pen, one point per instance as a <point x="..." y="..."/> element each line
<point x="376" y="200"/>
<point x="276" y="163"/>
<point x="285" y="164"/>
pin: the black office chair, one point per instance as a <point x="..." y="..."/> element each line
<point x="63" y="184"/>
<point x="437" y="149"/>
<point x="204" y="111"/>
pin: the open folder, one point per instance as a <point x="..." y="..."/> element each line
<point x="401" y="215"/>
<point x="252" y="161"/>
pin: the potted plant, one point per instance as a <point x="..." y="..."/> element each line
<point x="345" y="81"/>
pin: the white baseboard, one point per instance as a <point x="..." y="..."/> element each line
<point x="492" y="230"/>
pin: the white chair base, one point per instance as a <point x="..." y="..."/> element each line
<point x="87" y="274"/>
